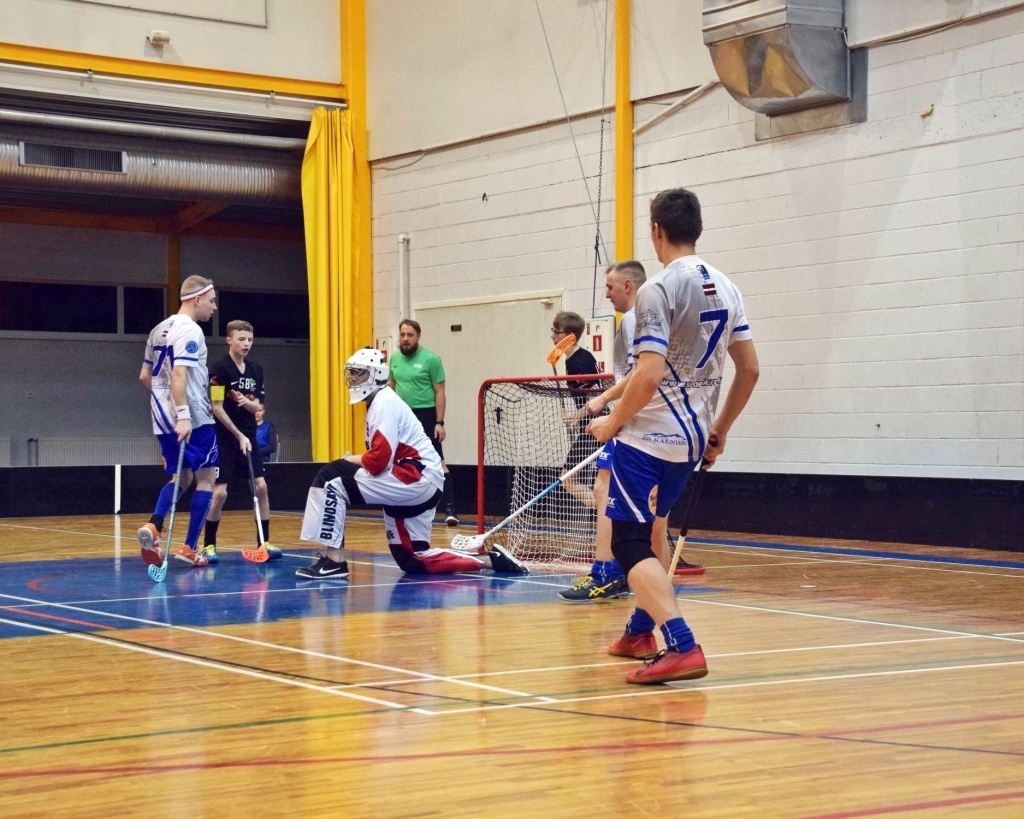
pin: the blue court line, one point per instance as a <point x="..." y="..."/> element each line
<point x="822" y="550"/>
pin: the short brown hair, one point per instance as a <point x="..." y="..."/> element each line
<point x="569" y="322"/>
<point x="414" y="324"/>
<point x="238" y="324"/>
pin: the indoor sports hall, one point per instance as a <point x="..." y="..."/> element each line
<point x="331" y="229"/>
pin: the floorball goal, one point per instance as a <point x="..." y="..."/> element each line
<point x="530" y="431"/>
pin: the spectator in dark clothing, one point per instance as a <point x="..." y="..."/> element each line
<point x="266" y="435"/>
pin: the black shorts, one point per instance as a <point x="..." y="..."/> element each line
<point x="232" y="459"/>
<point x="427" y="416"/>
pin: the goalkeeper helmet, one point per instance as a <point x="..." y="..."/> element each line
<point x="365" y="373"/>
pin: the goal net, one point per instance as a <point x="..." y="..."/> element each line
<point x="525" y="443"/>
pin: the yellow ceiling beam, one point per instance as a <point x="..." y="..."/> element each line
<point x="184" y="74"/>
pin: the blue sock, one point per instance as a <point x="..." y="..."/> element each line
<point x="197" y="516"/>
<point x="678" y="636"/>
<point x="163" y="503"/>
<point x="640" y="622"/>
<point x="605" y="571"/>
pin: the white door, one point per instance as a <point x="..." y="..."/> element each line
<point x="480" y="340"/>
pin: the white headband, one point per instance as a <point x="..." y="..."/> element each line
<point x="197" y="293"/>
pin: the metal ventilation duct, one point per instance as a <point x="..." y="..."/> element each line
<point x="171" y="171"/>
<point x="775" y="57"/>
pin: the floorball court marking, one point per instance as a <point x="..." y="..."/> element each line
<point x="291" y="649"/>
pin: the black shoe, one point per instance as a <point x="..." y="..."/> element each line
<point x="452" y="519"/>
<point x="590" y="592"/>
<point x="504" y="561"/>
<point x="324" y="569"/>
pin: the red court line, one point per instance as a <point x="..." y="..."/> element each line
<point x="500" y="752"/>
<point x="916" y="806"/>
<point x="35" y="613"/>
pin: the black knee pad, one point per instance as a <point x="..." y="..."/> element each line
<point x="335" y="469"/>
<point x="631" y="542"/>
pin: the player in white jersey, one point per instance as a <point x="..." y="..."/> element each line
<point x="400" y="471"/>
<point x="687" y="317"/>
<point x="606" y="580"/>
<point x="174" y="371"/>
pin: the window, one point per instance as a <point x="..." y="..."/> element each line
<point x="143" y="309"/>
<point x="58" y="308"/>
<point x="272" y="315"/>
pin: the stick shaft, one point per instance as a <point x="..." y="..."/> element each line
<point x="581" y="465"/>
<point x="174" y="502"/>
<point x="255" y="497"/>
<point x="695" y="489"/>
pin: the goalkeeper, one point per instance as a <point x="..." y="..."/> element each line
<point x="400" y="471"/>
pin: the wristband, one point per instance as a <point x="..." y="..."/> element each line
<point x="183" y="413"/>
<point x="439" y="423"/>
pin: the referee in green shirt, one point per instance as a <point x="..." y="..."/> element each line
<point x="417" y="375"/>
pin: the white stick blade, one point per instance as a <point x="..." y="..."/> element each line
<point x="465" y="543"/>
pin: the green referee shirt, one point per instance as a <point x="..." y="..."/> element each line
<point x="415" y="376"/>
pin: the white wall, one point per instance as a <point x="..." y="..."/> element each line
<point x="301" y="39"/>
<point x="438" y="73"/>
<point x="882" y="263"/>
<point x="868" y="20"/>
<point x="534" y="232"/>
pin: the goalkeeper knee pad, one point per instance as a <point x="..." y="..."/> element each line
<point x="631" y="543"/>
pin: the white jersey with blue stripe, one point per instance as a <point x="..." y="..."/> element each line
<point x="690" y="313"/>
<point x="622" y="354"/>
<point x="178" y="340"/>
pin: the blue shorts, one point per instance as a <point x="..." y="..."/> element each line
<point x="604" y="460"/>
<point x="200" y="451"/>
<point x="636" y="476"/>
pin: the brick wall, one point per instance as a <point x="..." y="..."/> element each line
<point x="882" y="263"/>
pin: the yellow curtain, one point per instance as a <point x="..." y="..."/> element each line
<point x="336" y="290"/>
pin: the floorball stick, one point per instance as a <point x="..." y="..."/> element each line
<point x="159" y="573"/>
<point x="475" y="544"/>
<point x="698" y="484"/>
<point x="260" y="555"/>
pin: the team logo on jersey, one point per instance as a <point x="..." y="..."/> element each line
<point x="648" y="318"/>
<point x="191" y="347"/>
<point x="672" y="439"/>
<point x="708" y="285"/>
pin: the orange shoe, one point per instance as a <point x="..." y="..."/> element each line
<point x="193" y="557"/>
<point x="637" y="646"/>
<point x="669" y="666"/>
<point x="149" y="540"/>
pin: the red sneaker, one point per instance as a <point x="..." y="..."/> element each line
<point x="671" y="665"/>
<point x="637" y="646"/>
<point x="149" y="540"/>
<point x="192" y="556"/>
<point x="684" y="568"/>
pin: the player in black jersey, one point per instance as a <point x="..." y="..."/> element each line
<point x="236" y="389"/>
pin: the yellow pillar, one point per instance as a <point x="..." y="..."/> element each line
<point x="623" y="136"/>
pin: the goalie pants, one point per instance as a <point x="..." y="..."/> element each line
<point x="408" y="516"/>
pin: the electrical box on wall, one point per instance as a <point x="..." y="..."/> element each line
<point x="599" y="338"/>
<point x="386" y="344"/>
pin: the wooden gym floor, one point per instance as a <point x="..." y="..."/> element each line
<point x="847" y="680"/>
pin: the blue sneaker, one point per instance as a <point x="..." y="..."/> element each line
<point x="210" y="553"/>
<point x="274" y="552"/>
